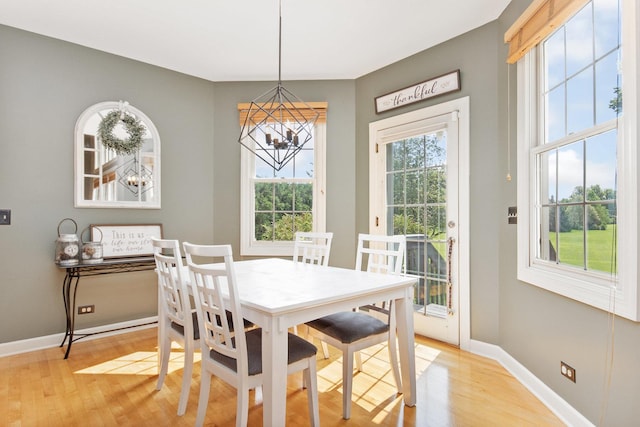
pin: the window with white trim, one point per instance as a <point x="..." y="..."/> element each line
<point x="276" y="204"/>
<point x="577" y="158"/>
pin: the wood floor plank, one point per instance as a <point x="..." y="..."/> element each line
<point x="111" y="382"/>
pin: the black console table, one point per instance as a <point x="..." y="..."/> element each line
<point x="70" y="287"/>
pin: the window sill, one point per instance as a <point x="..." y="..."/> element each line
<point x="599" y="294"/>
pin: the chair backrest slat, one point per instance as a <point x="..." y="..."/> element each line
<point x="312" y="247"/>
<point x="215" y="293"/>
<point x="210" y="285"/>
<point x="381" y="254"/>
<point x="384" y="254"/>
<point x="171" y="286"/>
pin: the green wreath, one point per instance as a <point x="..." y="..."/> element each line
<point x="132" y="125"/>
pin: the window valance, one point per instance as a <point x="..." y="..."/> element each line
<point x="540" y="19"/>
<point x="303" y="107"/>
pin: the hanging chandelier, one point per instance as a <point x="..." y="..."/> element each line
<point x="277" y="123"/>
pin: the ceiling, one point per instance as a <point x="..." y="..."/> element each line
<point x="237" y="40"/>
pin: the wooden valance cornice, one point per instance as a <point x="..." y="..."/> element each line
<point x="541" y="18"/>
<point x="307" y="109"/>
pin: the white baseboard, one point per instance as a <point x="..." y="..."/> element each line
<point x="49" y="341"/>
<point x="547" y="396"/>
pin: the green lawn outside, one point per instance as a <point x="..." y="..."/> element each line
<point x="600" y="248"/>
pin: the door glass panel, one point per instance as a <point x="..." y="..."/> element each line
<point x="415" y="152"/>
<point x="414" y="187"/>
<point x="436" y="184"/>
<point x="395" y="157"/>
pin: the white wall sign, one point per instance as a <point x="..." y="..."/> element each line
<point x="126" y="240"/>
<point x="449" y="82"/>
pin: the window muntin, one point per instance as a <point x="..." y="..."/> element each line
<point x="301" y="166"/>
<point x="579" y="229"/>
<point x="579" y="71"/>
<point x="276" y="204"/>
<point x="578" y="151"/>
<point x="281" y="209"/>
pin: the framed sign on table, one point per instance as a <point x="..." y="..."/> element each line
<point x="126" y="240"/>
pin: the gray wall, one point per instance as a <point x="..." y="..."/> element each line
<point x="45" y="84"/>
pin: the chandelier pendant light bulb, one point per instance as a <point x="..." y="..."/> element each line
<point x="278" y="124"/>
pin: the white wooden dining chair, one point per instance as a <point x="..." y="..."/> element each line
<point x="312" y="247"/>
<point x="352" y="331"/>
<point x="177" y="322"/>
<point x="236" y="359"/>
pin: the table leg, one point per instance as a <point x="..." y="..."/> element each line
<point x="70" y="281"/>
<point x="274" y="371"/>
<point x="66" y="286"/>
<point x="406" y="342"/>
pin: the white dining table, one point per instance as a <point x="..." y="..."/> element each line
<point x="277" y="294"/>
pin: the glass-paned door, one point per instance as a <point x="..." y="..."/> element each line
<point x="415" y="193"/>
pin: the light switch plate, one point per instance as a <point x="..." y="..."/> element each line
<point x="512" y="215"/>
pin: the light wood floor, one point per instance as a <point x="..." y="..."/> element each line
<point x="111" y="381"/>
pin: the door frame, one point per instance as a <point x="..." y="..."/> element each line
<point x="459" y="107"/>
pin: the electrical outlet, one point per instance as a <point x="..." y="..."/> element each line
<point x="5" y="216"/>
<point x="86" y="309"/>
<point x="567" y="371"/>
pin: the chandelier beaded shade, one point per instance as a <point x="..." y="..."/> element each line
<point x="277" y="123"/>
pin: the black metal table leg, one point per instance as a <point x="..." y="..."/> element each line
<point x="65" y="300"/>
<point x="70" y="289"/>
<point x="71" y="280"/>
